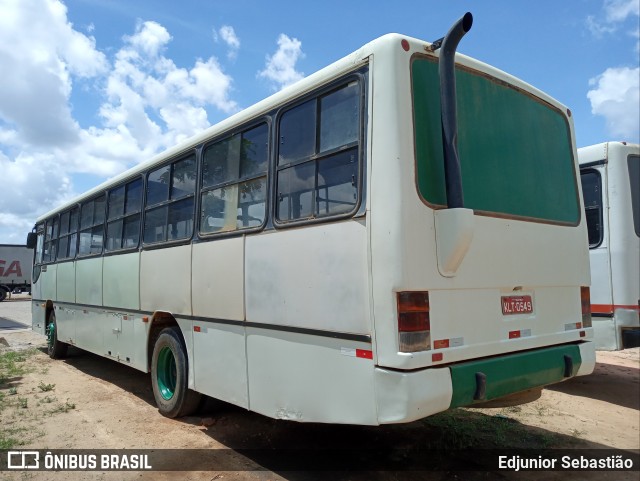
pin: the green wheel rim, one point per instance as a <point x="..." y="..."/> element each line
<point x="166" y="373"/>
<point x="51" y="334"/>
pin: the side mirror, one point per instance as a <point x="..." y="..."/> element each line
<point x="32" y="240"/>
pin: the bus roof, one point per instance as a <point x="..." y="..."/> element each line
<point x="360" y="57"/>
<point x="600" y="152"/>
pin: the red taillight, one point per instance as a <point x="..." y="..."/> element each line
<point x="585" y="301"/>
<point x="414" y="325"/>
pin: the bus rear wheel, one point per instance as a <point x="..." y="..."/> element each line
<point x="170" y="374"/>
<point x="55" y="348"/>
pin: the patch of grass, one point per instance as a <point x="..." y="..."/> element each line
<point x="62" y="408"/>
<point x="13" y="391"/>
<point x="47" y="400"/>
<point x="7" y="439"/>
<point x="46" y="387"/>
<point x="23" y="402"/>
<point x="12" y="364"/>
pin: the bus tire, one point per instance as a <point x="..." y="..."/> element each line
<point x="3" y="293"/>
<point x="170" y="376"/>
<point x="55" y="348"/>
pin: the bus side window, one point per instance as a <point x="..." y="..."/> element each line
<point x="318" y="158"/>
<point x="169" y="210"/>
<point x="51" y="240"/>
<point x="40" y="244"/>
<point x="123" y="226"/>
<point x="68" y="234"/>
<point x="234" y="182"/>
<point x="92" y="226"/>
<point x="592" y="192"/>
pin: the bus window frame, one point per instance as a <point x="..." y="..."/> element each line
<point x="240" y="129"/>
<point x="196" y="152"/>
<point x="142" y="178"/>
<point x="53" y="240"/>
<point x="360" y="76"/>
<point x="591" y="170"/>
<point x="60" y="259"/>
<point x="92" y="199"/>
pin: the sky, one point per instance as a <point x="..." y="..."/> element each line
<point x="90" y="88"/>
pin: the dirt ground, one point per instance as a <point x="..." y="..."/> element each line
<point x="86" y="402"/>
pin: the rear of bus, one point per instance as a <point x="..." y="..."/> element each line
<point x="491" y="300"/>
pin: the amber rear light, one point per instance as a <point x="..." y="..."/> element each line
<point x="585" y="301"/>
<point x="414" y="324"/>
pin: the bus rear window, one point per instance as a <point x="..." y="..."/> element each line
<point x="515" y="150"/>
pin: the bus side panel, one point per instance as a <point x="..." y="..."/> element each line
<point x="121" y="281"/>
<point x="220" y="362"/>
<point x="219" y="349"/>
<point x="89" y="281"/>
<point x="166" y="280"/>
<point x="310" y="378"/>
<point x="218" y="279"/>
<point x="88" y="329"/>
<point x="314" y="277"/>
<point x="38" y="313"/>
<point x="47" y="282"/>
<point x="66" y="282"/>
<point x="623" y="241"/>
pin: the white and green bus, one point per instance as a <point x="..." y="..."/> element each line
<point x="610" y="174"/>
<point x="325" y="256"/>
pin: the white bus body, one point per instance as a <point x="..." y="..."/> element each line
<point x="611" y="186"/>
<point x="348" y="295"/>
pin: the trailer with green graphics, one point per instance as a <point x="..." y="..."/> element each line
<point x="396" y="235"/>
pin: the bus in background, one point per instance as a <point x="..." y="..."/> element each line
<point x="327" y="256"/>
<point x="610" y="174"/>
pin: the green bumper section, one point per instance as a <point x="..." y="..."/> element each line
<point x="493" y="378"/>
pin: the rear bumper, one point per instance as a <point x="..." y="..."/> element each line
<point x="407" y="396"/>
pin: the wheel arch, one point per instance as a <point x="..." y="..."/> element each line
<point x="159" y="321"/>
<point x="48" y="309"/>
<point x="5" y="292"/>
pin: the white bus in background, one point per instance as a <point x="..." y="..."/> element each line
<point x="610" y="175"/>
<point x="319" y="257"/>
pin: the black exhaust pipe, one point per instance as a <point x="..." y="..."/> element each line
<point x="448" y="45"/>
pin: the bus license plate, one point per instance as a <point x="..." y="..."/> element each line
<point x="516" y="305"/>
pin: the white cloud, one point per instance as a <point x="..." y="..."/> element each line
<point x="615" y="13"/>
<point x="620" y="10"/>
<point x="31" y="183"/>
<point x="616" y="96"/>
<point x="37" y="68"/>
<point x="148" y="104"/>
<point x="280" y="68"/>
<point x="228" y="35"/>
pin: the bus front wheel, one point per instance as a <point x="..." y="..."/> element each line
<point x="170" y="374"/>
<point x="55" y="348"/>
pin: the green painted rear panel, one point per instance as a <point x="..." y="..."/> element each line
<point x="512" y="373"/>
<point x="515" y="150"/>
